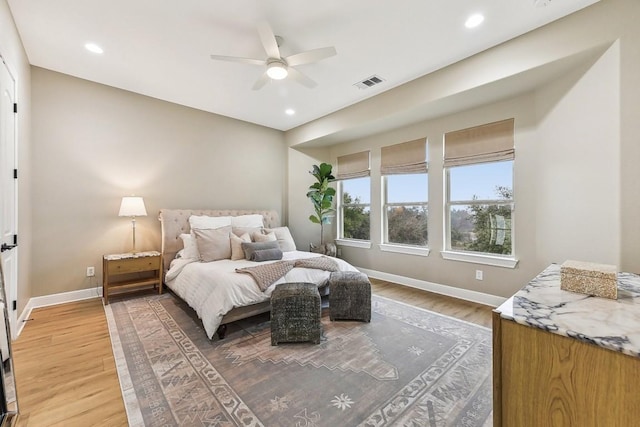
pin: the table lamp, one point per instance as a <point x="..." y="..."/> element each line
<point x="132" y="206"/>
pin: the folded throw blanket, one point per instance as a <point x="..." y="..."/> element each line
<point x="266" y="275"/>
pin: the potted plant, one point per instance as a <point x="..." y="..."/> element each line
<point x="321" y="195"/>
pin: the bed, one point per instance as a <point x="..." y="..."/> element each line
<point x="218" y="294"/>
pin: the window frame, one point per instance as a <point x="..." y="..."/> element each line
<point x="385" y="245"/>
<point x="348" y="241"/>
<point x="499" y="260"/>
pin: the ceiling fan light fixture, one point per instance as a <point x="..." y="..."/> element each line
<point x="277" y="70"/>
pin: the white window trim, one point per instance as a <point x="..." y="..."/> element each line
<point x="354" y="243"/>
<point x="509" y="261"/>
<point x="479" y="258"/>
<point x="340" y="218"/>
<point x="387" y="246"/>
<point x="405" y="249"/>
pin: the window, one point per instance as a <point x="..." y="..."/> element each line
<point x="480" y="207"/>
<point x="355" y="208"/>
<point x="479" y="190"/>
<point x="405" y="209"/>
<point x="405" y="184"/>
<point x="354" y="197"/>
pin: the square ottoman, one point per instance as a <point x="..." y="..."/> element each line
<point x="295" y="313"/>
<point x="349" y="296"/>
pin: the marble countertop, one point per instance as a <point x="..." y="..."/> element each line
<point x="612" y="324"/>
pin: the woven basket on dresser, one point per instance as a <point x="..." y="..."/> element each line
<point x="295" y="313"/>
<point x="349" y="296"/>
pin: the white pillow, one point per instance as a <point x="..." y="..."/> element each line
<point x="247" y="221"/>
<point x="190" y="250"/>
<point x="283" y="235"/>
<point x="237" y="253"/>
<point x="213" y="245"/>
<point x="203" y="222"/>
<point x="259" y="237"/>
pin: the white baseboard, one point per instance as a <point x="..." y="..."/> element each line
<point x="55" y="299"/>
<point x="464" y="294"/>
<point x="451" y="291"/>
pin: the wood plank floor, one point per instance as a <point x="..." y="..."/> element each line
<point x="65" y="371"/>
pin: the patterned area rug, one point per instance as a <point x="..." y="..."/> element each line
<point x="408" y="367"/>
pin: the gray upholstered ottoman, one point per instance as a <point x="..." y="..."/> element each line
<point x="295" y="313"/>
<point x="349" y="296"/>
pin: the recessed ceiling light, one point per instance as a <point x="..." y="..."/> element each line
<point x="474" y="20"/>
<point x="92" y="47"/>
<point x="289" y="111"/>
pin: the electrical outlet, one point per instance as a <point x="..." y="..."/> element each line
<point x="478" y="274"/>
<point x="91" y="271"/>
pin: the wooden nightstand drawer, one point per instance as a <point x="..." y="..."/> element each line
<point x="134" y="265"/>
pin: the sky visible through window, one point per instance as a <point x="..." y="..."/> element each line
<point x="480" y="180"/>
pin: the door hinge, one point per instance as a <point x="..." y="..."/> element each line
<point x="14" y="305"/>
<point x="15" y="174"/>
<point x="15" y="239"/>
<point x="15" y="107"/>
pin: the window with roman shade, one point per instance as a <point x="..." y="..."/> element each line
<point x="353" y="166"/>
<point x="478" y="165"/>
<point x="354" y="196"/>
<point x="405" y="197"/>
<point x="480" y="144"/>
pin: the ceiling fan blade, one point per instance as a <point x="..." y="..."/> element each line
<point x="301" y="78"/>
<point x="238" y="59"/>
<point x="263" y="80"/>
<point x="268" y="40"/>
<point x="313" y="55"/>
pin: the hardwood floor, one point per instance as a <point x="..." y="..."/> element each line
<point x="65" y="371"/>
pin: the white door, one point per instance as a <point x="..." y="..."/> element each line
<point x="8" y="192"/>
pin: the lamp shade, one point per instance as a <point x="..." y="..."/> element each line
<point x="132" y="206"/>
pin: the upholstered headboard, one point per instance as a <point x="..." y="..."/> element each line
<point x="174" y="222"/>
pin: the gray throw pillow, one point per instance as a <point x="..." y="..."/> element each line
<point x="250" y="248"/>
<point x="266" y="255"/>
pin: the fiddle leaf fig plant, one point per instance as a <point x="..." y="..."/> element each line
<point x="321" y="195"/>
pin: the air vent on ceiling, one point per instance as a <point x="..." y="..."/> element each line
<point x="369" y="82"/>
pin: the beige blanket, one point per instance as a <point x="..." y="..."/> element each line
<point x="267" y="274"/>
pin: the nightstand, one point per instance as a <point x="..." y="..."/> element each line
<point x="131" y="271"/>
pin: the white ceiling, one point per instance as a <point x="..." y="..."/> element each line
<point x="161" y="48"/>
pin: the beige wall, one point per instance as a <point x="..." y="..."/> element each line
<point x="576" y="146"/>
<point x="93" y="144"/>
<point x="14" y="55"/>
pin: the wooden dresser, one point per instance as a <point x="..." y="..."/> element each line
<point x="567" y="359"/>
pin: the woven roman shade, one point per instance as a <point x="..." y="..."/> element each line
<point x="480" y="144"/>
<point x="353" y="166"/>
<point x="407" y="157"/>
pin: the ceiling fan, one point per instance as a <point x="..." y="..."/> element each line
<point x="277" y="67"/>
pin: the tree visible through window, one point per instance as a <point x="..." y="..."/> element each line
<point x="406" y="209"/>
<point x="480" y="208"/>
<point x="355" y="208"/>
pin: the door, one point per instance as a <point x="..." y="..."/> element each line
<point x="8" y="191"/>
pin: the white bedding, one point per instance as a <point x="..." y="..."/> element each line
<point x="212" y="289"/>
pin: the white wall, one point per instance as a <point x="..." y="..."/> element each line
<point x="566" y="181"/>
<point x="578" y="162"/>
<point x="93" y="144"/>
<point x="13" y="53"/>
<point x="576" y="168"/>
